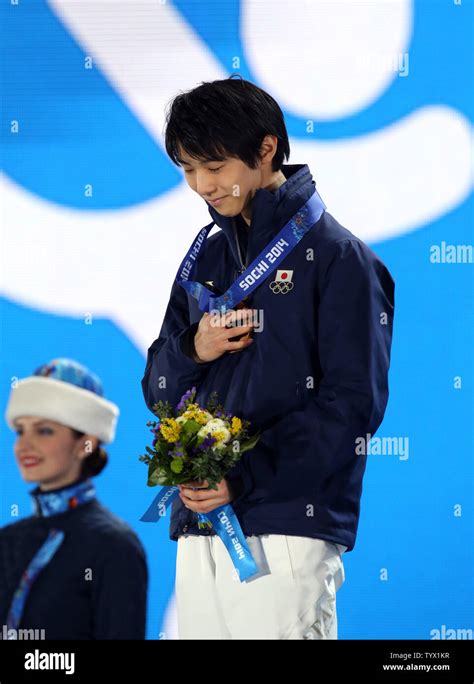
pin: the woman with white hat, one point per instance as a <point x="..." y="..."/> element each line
<point x="72" y="570"/>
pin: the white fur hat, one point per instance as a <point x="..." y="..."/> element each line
<point x="68" y="393"/>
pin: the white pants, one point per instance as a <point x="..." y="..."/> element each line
<point x="292" y="597"/>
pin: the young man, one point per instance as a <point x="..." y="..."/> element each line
<point x="312" y="376"/>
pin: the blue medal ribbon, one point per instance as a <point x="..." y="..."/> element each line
<point x="225" y="523"/>
<point x="157" y="508"/>
<point x="260" y="268"/>
<point x="228" y="528"/>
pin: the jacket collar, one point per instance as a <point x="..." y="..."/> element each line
<point x="62" y="499"/>
<point x="271" y="210"/>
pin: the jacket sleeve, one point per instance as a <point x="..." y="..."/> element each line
<point x="170" y="369"/>
<point x="120" y="590"/>
<point x="355" y="325"/>
<point x="355" y="303"/>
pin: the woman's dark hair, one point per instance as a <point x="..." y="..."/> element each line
<point x="230" y="117"/>
<point x="95" y="462"/>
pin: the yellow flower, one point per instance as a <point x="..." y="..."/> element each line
<point x="193" y="412"/>
<point x="236" y="425"/>
<point x="170" y="429"/>
<point x="220" y="435"/>
<point x="192" y="407"/>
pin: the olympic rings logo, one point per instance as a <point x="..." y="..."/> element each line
<point x="280" y="287"/>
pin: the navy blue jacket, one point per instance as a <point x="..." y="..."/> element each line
<point x="111" y="603"/>
<point x="314" y="380"/>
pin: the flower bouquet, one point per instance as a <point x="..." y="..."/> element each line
<point x="195" y="444"/>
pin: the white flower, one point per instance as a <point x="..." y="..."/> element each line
<point x="219" y="445"/>
<point x="213" y="426"/>
<point x="225" y="438"/>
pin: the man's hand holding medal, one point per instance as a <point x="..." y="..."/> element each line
<point x="220" y="333"/>
<point x="213" y="337"/>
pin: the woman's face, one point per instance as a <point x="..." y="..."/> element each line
<point x="48" y="452"/>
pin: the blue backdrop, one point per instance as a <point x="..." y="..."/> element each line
<point x="96" y="220"/>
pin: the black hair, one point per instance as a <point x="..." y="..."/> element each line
<point x="95" y="462"/>
<point x="229" y="117"/>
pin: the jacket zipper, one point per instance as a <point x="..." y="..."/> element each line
<point x="242" y="265"/>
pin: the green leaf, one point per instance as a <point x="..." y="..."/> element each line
<point x="162" y="447"/>
<point x="190" y="427"/>
<point x="177" y="465"/>
<point x="250" y="443"/>
<point x="157" y="477"/>
<point x="212" y="402"/>
<point x="162" y="409"/>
